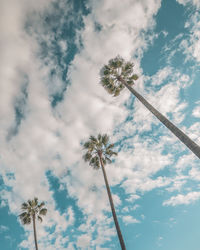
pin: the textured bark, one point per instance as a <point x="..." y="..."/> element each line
<point x="112" y="206"/>
<point x="35" y="236"/>
<point x="176" y="131"/>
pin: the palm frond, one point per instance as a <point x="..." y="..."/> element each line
<point x="41" y="204"/>
<point x="87" y="156"/>
<point x="116" y="62"/>
<point x="114" y="153"/>
<point x="94" y="162"/>
<point x="86" y="145"/>
<point x="128" y="67"/>
<point x="134" y="77"/>
<point x="35" y="201"/>
<point x="89" y="145"/>
<point x="109" y="152"/>
<point x="22" y="215"/>
<point x="105" y="139"/>
<point x="130" y="82"/>
<point x="43" y="211"/>
<point x="110" y="146"/>
<point x="99" y="137"/>
<point x="96" y="166"/>
<point x="24" y="206"/>
<point x="26" y="220"/>
<point x="108" y="160"/>
<point x="39" y="218"/>
<point x="105" y="71"/>
<point x="30" y="202"/>
<point x="93" y="139"/>
<point x="104" y="160"/>
<point x="117" y="92"/>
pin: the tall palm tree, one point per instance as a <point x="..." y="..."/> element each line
<point x="32" y="210"/>
<point x="117" y="75"/>
<point x="98" y="154"/>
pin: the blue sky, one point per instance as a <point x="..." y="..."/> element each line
<point x="51" y="101"/>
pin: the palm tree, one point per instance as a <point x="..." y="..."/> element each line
<point x="32" y="210"/>
<point x="117" y="75"/>
<point x="98" y="154"/>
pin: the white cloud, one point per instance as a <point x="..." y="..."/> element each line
<point x="190" y="46"/>
<point x="185" y="162"/>
<point x="194" y="173"/>
<point x="133" y="197"/>
<point x="84" y="241"/>
<point x="161" y="75"/>
<point x="177" y="183"/>
<point x="192" y="2"/>
<point x="196" y="112"/>
<point x="182" y="199"/>
<point x="128" y="219"/>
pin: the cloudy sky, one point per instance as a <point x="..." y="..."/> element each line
<point x="51" y="101"/>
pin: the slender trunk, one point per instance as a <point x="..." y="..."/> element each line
<point x="176" y="131"/>
<point x="112" y="206"/>
<point x="35" y="236"/>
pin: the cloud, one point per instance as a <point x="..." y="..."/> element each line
<point x="3" y="228"/>
<point x="177" y="183"/>
<point x="190" y="46"/>
<point x="196" y="112"/>
<point x="83" y="241"/>
<point x="128" y="219"/>
<point x="182" y="199"/>
<point x="191" y="2"/>
<point x="133" y="197"/>
<point x="161" y="75"/>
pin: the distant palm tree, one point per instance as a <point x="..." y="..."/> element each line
<point x="32" y="210"/>
<point x="117" y="75"/>
<point x="98" y="154"/>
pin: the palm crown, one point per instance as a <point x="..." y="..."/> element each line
<point x="98" y="147"/>
<point x="32" y="209"/>
<point x="112" y="74"/>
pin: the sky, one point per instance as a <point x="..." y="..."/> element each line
<point x="51" y="101"/>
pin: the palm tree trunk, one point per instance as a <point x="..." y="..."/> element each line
<point x="176" y="131"/>
<point x="35" y="236"/>
<point x="112" y="206"/>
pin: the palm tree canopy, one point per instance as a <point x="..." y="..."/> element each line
<point x="115" y="70"/>
<point x="97" y="146"/>
<point x="32" y="208"/>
